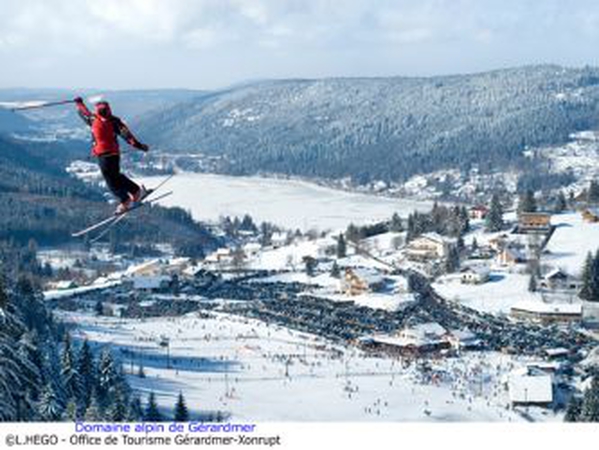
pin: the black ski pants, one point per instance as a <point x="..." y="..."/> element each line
<point x="119" y="184"/>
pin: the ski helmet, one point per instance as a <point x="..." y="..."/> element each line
<point x="103" y="109"/>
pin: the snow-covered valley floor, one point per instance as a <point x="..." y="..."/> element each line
<point x="257" y="371"/>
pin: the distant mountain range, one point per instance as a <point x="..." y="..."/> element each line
<point x="11" y="122"/>
<point x="127" y="103"/>
<point x="364" y="128"/>
<point x="381" y="128"/>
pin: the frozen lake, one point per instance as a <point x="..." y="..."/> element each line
<point x="289" y="203"/>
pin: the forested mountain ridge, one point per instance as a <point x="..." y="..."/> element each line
<point x="39" y="200"/>
<point x="381" y="128"/>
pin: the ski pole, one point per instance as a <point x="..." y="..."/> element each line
<point x="41" y="105"/>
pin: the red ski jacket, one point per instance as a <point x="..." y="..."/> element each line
<point x="106" y="129"/>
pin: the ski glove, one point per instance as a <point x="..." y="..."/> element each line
<point x="78" y="100"/>
<point x="143" y="147"/>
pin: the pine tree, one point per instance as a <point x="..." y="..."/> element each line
<point x="87" y="373"/>
<point x="181" y="413"/>
<point x="573" y="410"/>
<point x="352" y="233"/>
<point x="135" y="412"/>
<point x="68" y="371"/>
<point x="71" y="411"/>
<point x="10" y="366"/>
<point x="151" y="413"/>
<point x="586" y="292"/>
<point x="50" y="408"/>
<point x="593" y="192"/>
<point x="595" y="278"/>
<point x="396" y="223"/>
<point x="460" y="243"/>
<point x="560" y="203"/>
<point x="452" y="262"/>
<point x="527" y="203"/>
<point x="335" y="271"/>
<point x="117" y="412"/>
<point x="589" y="411"/>
<point x="93" y="412"/>
<point x="310" y="264"/>
<point x="494" y="219"/>
<point x="532" y="283"/>
<point x="107" y="376"/>
<point x="341" y="246"/>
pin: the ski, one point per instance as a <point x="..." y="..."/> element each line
<point x="121" y="216"/>
<point x="115" y="216"/>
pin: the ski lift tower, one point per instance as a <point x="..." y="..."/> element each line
<point x="166" y="343"/>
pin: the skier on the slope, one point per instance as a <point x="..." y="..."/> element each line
<point x="106" y="129"/>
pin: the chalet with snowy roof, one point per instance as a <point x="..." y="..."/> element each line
<point x="534" y="222"/>
<point x="147" y="268"/>
<point x="479" y="212"/>
<point x="417" y="339"/>
<point x="475" y="275"/>
<point x="530" y="387"/>
<point x="547" y="312"/>
<point x="429" y="246"/>
<point x="558" y="280"/>
<point x="219" y="256"/>
<point x="590" y="215"/>
<point x="510" y="256"/>
<point x="556" y="353"/>
<point x="361" y="280"/>
<point x="279" y="239"/>
<point x="463" y="339"/>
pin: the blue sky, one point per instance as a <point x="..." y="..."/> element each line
<point x="213" y="43"/>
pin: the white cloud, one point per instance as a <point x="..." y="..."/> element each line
<point x="278" y="36"/>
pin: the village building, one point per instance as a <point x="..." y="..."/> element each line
<point x="534" y="222"/>
<point x="556" y="353"/>
<point x="590" y="215"/>
<point x="422" y="338"/>
<point x="151" y="267"/>
<point x="475" y="275"/>
<point x="547" y="312"/>
<point x="279" y="239"/>
<point x="478" y="212"/>
<point x="558" y="280"/>
<point x="251" y="249"/>
<point x="529" y="386"/>
<point x="64" y="285"/>
<point x="361" y="280"/>
<point x="222" y="255"/>
<point x="429" y="246"/>
<point x="463" y="339"/>
<point x="510" y="256"/>
<point x="499" y="242"/>
<point x="151" y="282"/>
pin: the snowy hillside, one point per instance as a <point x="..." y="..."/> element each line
<point x="381" y="128"/>
<point x="257" y="372"/>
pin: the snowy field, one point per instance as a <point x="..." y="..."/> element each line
<point x="257" y="371"/>
<point x="572" y="240"/>
<point x="289" y="203"/>
<point x="498" y="295"/>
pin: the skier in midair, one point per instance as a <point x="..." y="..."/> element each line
<point x="106" y="129"/>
